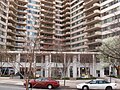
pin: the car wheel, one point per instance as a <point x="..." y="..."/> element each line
<point x="85" y="88"/>
<point x="49" y="86"/>
<point x="109" y="88"/>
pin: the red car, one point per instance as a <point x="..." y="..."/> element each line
<point x="43" y="83"/>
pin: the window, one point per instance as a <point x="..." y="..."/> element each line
<point x="92" y="82"/>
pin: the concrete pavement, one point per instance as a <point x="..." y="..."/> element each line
<point x="69" y="83"/>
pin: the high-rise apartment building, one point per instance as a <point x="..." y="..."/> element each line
<point x="66" y="33"/>
<point x="62" y="25"/>
<point x="85" y="27"/>
<point x="47" y="25"/>
<point x="110" y="16"/>
<point x="78" y="33"/>
<point x="92" y="24"/>
<point x="16" y="26"/>
<point x="3" y="22"/>
<point x="33" y="11"/>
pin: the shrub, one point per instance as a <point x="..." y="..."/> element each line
<point x="66" y="78"/>
<point x="79" y="78"/>
<point x="55" y="78"/>
<point x="5" y="75"/>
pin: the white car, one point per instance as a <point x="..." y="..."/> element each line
<point x="97" y="84"/>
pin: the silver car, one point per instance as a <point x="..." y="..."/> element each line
<point x="97" y="84"/>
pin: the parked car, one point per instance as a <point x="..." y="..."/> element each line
<point x="97" y="84"/>
<point x="43" y="83"/>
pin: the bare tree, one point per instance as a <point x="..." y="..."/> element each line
<point x="110" y="52"/>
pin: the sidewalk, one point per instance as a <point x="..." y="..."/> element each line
<point x="8" y="80"/>
<point x="68" y="83"/>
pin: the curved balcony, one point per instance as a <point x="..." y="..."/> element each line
<point x="93" y="27"/>
<point x="48" y="7"/>
<point x="21" y="28"/>
<point x="21" y="23"/>
<point x="12" y="8"/>
<point x="12" y="14"/>
<point x="93" y="20"/>
<point x="19" y="46"/>
<point x="66" y="10"/>
<point x="10" y="44"/>
<point x="11" y="25"/>
<point x="93" y="14"/>
<point x="94" y="34"/>
<point x="47" y="27"/>
<point x="47" y="16"/>
<point x="21" y="11"/>
<point x="47" y="11"/>
<point x="20" y="40"/>
<point x="48" y="2"/>
<point x="10" y="38"/>
<point x="90" y="2"/>
<point x="20" y="34"/>
<point x="23" y="1"/>
<point x="47" y="32"/>
<point x="9" y="31"/>
<point x="22" y="6"/>
<point x="12" y="19"/>
<point x="19" y="4"/>
<point x="94" y="42"/>
<point x="92" y="7"/>
<point x="23" y="17"/>
<point x="47" y="42"/>
<point x="47" y="21"/>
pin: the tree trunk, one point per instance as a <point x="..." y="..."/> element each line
<point x="27" y="82"/>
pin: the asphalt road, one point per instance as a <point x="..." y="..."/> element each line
<point x="13" y="87"/>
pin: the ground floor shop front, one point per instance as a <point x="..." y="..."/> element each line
<point x="57" y="64"/>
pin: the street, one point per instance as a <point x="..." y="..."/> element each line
<point x="15" y="87"/>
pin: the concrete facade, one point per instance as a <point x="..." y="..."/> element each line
<point x="46" y="64"/>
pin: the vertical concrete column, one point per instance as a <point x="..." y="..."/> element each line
<point x="93" y="66"/>
<point x="79" y="65"/>
<point x="17" y="63"/>
<point x="68" y="67"/>
<point x="46" y="65"/>
<point x="110" y="70"/>
<point x="49" y="72"/>
<point x="68" y="70"/>
<point x="42" y="66"/>
<point x="34" y="66"/>
<point x="74" y="66"/>
<point x="64" y="65"/>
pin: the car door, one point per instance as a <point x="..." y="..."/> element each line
<point x="43" y="83"/>
<point x="101" y="84"/>
<point x="38" y="82"/>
